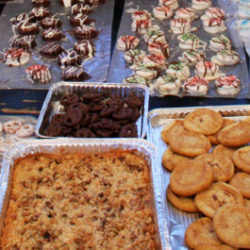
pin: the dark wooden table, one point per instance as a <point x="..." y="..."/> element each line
<point x="20" y="102"/>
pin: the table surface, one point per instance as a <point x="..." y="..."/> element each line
<point x="23" y="102"/>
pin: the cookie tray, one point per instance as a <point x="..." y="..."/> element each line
<point x="177" y="220"/>
<point x="144" y="148"/>
<point x="52" y="105"/>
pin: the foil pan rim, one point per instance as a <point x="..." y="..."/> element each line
<point x="156" y="176"/>
<point x="91" y="84"/>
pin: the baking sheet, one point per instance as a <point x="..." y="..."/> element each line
<point x="177" y="220"/>
<point x="52" y="104"/>
<point x="144" y="148"/>
<point x="119" y="69"/>
<point x="8" y="140"/>
<point x="15" y="77"/>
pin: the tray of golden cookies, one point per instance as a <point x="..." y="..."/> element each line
<point x="205" y="160"/>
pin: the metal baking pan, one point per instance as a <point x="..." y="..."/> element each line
<point x="52" y="105"/>
<point x="15" y="77"/>
<point x="144" y="148"/>
<point x="177" y="220"/>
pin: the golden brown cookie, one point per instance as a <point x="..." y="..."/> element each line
<point x="190" y="180"/>
<point x="241" y="158"/>
<point x="171" y="128"/>
<point x="232" y="225"/>
<point x="204" y="121"/>
<point x="241" y="181"/>
<point x="170" y="160"/>
<point x="183" y="203"/>
<point x="223" y="150"/>
<point x="189" y="143"/>
<point x="214" y="138"/>
<point x="214" y="247"/>
<point x="200" y="232"/>
<point x="235" y="135"/>
<point x="223" y="167"/>
<point x="217" y="195"/>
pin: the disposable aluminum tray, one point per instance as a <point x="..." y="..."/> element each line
<point x="15" y="77"/>
<point x="52" y="105"/>
<point x="119" y="69"/>
<point x="177" y="220"/>
<point x="144" y="148"/>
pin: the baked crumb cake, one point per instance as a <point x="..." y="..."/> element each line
<point x="81" y="201"/>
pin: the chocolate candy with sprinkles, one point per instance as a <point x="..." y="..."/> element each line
<point x="38" y="74"/>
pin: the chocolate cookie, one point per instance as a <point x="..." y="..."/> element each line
<point x="85" y="32"/>
<point x="69" y="58"/>
<point x="52" y="34"/>
<point x="38" y="3"/>
<point x="24" y="42"/>
<point x="28" y="28"/>
<point x="81" y="8"/>
<point x="80" y="19"/>
<point x="27" y="17"/>
<point x="40" y="12"/>
<point x="51" y="22"/>
<point x="74" y="73"/>
<point x="51" y="49"/>
<point x="85" y="48"/>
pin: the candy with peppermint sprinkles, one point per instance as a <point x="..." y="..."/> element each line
<point x="196" y="86"/>
<point x="16" y="57"/>
<point x="228" y="85"/>
<point x="38" y="74"/>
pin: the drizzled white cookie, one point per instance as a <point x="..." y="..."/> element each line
<point x="226" y="58"/>
<point x="178" y="70"/>
<point x="228" y="85"/>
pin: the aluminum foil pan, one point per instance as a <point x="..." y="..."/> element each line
<point x="15" y="77"/>
<point x="8" y="140"/>
<point x="144" y="148"/>
<point x="177" y="220"/>
<point x="52" y="105"/>
<point x="119" y="69"/>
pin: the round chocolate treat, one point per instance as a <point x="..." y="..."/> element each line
<point x="27" y="28"/>
<point x="23" y="17"/>
<point x="24" y="42"/>
<point x="51" y="22"/>
<point x="85" y="48"/>
<point x="80" y="19"/>
<point x="69" y="58"/>
<point x="52" y="34"/>
<point x="40" y="12"/>
<point x="85" y="32"/>
<point x="74" y="73"/>
<point x="38" y="74"/>
<point x="51" y="49"/>
<point x="38" y="3"/>
<point x="81" y="8"/>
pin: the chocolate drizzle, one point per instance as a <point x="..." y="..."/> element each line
<point x="74" y="73"/>
<point x="51" y="49"/>
<point x="25" y="42"/>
